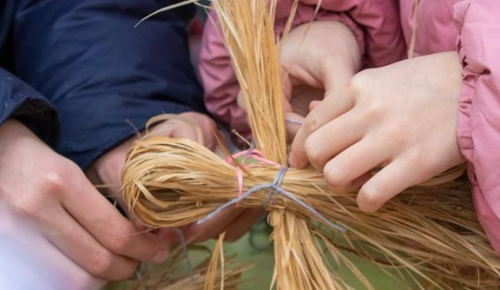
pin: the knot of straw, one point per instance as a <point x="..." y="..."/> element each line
<point x="165" y="184"/>
<point x="274" y="189"/>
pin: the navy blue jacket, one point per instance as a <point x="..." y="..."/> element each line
<point x="86" y="59"/>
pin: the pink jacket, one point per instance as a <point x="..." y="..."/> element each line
<point x="375" y="23"/>
<point x="472" y="28"/>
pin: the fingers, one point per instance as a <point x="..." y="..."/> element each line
<point x="173" y="235"/>
<point x="332" y="138"/>
<point x="206" y="125"/>
<point x="113" y="231"/>
<point x="329" y="109"/>
<point x="212" y="227"/>
<point x="176" y="129"/>
<point x="44" y="264"/>
<point x="359" y="181"/>
<point x="69" y="237"/>
<point x="354" y="162"/>
<point x="387" y="183"/>
<point x="243" y="223"/>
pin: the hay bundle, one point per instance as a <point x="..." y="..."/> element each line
<point x="429" y="232"/>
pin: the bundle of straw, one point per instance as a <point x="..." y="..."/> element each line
<point x="207" y="274"/>
<point x="429" y="233"/>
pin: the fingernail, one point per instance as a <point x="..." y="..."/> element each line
<point x="294" y="162"/>
<point x="160" y="257"/>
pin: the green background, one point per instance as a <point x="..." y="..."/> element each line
<point x="259" y="277"/>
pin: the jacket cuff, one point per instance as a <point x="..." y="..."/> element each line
<point x="22" y="102"/>
<point x="84" y="142"/>
<point x="40" y="117"/>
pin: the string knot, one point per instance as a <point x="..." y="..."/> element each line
<point x="275" y="189"/>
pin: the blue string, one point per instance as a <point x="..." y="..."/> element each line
<point x="138" y="272"/>
<point x="293" y="121"/>
<point x="184" y="250"/>
<point x="275" y="188"/>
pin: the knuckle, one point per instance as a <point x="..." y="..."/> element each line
<point x="101" y="264"/>
<point x="357" y="82"/>
<point x="417" y="166"/>
<point x="414" y="159"/>
<point x="55" y="181"/>
<point x="27" y="207"/>
<point x="119" y="244"/>
<point x="310" y="123"/>
<point x="375" y="111"/>
<point x="358" y="85"/>
<point x="361" y="77"/>
<point x="334" y="175"/>
<point x="120" y="240"/>
<point x="312" y="150"/>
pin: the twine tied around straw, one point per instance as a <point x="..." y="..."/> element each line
<point x="274" y="189"/>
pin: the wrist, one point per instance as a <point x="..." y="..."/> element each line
<point x="12" y="130"/>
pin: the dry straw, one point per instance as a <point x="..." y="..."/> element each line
<point x="428" y="234"/>
<point x="206" y="275"/>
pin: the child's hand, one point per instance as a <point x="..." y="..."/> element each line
<point x="316" y="59"/>
<point x="402" y="117"/>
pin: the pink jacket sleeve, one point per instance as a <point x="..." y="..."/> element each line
<point x="375" y="23"/>
<point x="479" y="113"/>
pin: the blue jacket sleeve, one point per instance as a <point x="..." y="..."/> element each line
<point x="17" y="99"/>
<point x="101" y="73"/>
<point x="20" y="101"/>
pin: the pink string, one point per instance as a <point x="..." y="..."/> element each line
<point x="247" y="154"/>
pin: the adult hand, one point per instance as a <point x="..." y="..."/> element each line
<point x="30" y="261"/>
<point x="402" y="117"/>
<point x="234" y="221"/>
<point x="54" y="194"/>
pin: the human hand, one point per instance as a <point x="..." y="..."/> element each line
<point x="54" y="194"/>
<point x="402" y="117"/>
<point x="316" y="59"/>
<point x="30" y="261"/>
<point x="234" y="221"/>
